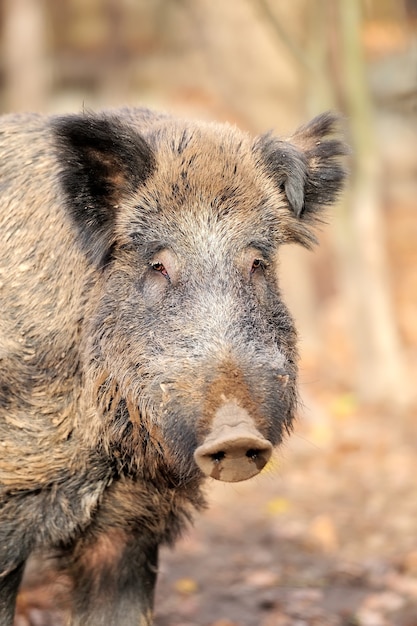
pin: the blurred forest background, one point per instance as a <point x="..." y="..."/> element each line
<point x="267" y="64"/>
<point x="273" y="64"/>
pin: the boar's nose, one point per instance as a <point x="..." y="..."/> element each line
<point x="234" y="449"/>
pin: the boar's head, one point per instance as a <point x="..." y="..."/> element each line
<point x="190" y="359"/>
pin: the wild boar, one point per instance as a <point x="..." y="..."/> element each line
<point x="144" y="342"/>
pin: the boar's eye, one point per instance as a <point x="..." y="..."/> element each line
<point x="159" y="267"/>
<point x="256" y="265"/>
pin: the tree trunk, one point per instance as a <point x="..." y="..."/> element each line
<point x="24" y="55"/>
<point x="381" y="371"/>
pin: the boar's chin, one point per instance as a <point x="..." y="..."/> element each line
<point x="144" y="442"/>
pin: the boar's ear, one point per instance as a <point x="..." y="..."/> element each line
<point x="308" y="169"/>
<point x="102" y="161"/>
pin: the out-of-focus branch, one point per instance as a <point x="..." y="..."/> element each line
<point x="297" y="52"/>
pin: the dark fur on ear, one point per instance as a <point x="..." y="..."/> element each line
<point x="308" y="168"/>
<point x="103" y="160"/>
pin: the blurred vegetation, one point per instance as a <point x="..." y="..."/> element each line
<point x="267" y="64"/>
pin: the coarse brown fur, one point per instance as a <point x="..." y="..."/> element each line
<point x="138" y="257"/>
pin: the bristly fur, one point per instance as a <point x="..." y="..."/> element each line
<point x="138" y="282"/>
<point x="309" y="168"/>
<point x="103" y="161"/>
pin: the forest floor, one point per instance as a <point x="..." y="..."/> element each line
<point x="326" y="536"/>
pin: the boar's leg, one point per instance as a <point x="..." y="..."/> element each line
<point x="9" y="585"/>
<point x="114" y="578"/>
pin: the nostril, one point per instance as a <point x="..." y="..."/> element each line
<point x="234" y="450"/>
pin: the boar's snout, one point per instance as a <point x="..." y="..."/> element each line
<point x="234" y="450"/>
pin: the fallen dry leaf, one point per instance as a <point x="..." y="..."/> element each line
<point x="322" y="531"/>
<point x="186" y="586"/>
